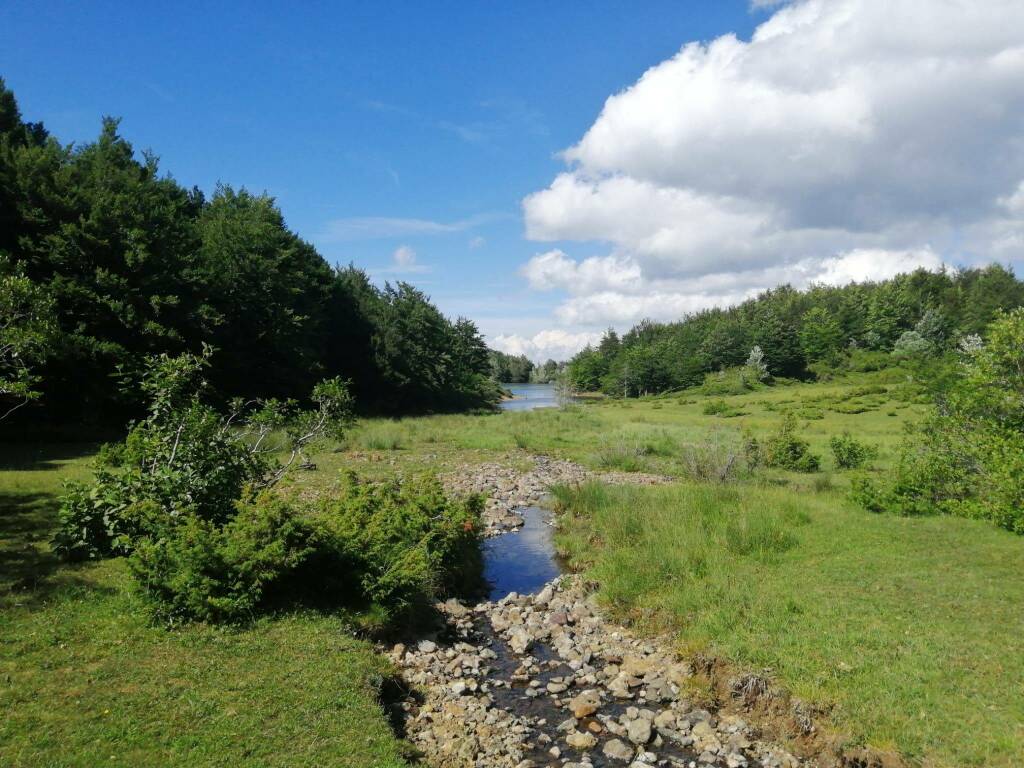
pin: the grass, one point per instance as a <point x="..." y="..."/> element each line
<point x="911" y="629"/>
<point x="85" y="680"/>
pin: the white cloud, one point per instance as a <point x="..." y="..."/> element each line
<point x="477" y="242"/>
<point x="547" y="271"/>
<point x="848" y="139"/>
<point x="404" y="261"/>
<point x="376" y="227"/>
<point x="554" y="344"/>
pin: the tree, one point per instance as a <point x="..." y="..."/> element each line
<point x="820" y="335"/>
<point x="26" y="330"/>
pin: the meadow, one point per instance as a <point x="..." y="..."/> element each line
<point x="906" y="632"/>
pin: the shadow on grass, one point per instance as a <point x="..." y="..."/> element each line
<point x="30" y="572"/>
<point x="41" y="457"/>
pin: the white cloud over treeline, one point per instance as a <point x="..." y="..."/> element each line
<point x="848" y="139"/>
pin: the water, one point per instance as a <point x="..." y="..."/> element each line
<point x="523" y="561"/>
<point x="529" y="397"/>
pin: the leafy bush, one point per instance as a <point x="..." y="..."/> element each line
<point x="732" y="381"/>
<point x="195" y="569"/>
<point x="784" y="450"/>
<point x="850" y="453"/>
<point x="399" y="544"/>
<point x="720" y="408"/>
<point x="967" y="458"/>
<point x="394" y="545"/>
<point x="188" y="460"/>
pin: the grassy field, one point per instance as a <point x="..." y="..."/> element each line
<point x="85" y="680"/>
<point x="910" y="629"/>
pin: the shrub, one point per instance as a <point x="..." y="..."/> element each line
<point x="967" y="457"/>
<point x="732" y="381"/>
<point x="400" y="544"/>
<point x="188" y="460"/>
<point x="621" y="454"/>
<point x="195" y="569"/>
<point x="720" y="408"/>
<point x="850" y="453"/>
<point x="714" y="459"/>
<point x="784" y="450"/>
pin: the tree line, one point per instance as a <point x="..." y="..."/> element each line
<point x="519" y="369"/>
<point x="122" y="263"/>
<point x="797" y="333"/>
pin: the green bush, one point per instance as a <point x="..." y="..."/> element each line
<point x="189" y="460"/>
<point x="194" y="569"/>
<point x="784" y="450"/>
<point x="400" y="544"/>
<point x="392" y="546"/>
<point x="850" y="453"/>
<point x="967" y="457"/>
<point x="720" y="408"/>
<point x="732" y="381"/>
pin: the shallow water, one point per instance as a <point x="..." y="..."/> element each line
<point x="522" y="561"/>
<point x="529" y="397"/>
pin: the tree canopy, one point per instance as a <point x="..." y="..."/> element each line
<point x="133" y="265"/>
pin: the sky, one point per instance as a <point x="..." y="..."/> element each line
<point x="552" y="169"/>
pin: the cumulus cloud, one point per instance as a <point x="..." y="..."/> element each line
<point x="553" y="344"/>
<point x="847" y="140"/>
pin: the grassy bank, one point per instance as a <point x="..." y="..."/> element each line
<point x="86" y="680"/>
<point x="911" y="629"/>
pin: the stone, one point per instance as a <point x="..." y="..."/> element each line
<point x="426" y="646"/>
<point x="639" y="731"/>
<point x="618" y="750"/>
<point x="581" y="740"/>
<point x="587" y="703"/>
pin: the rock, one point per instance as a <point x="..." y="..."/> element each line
<point x="557" y="687"/>
<point x="618" y="750"/>
<point x="581" y="740"/>
<point x="587" y="703"/>
<point x="639" y="731"/>
<point x="426" y="646"/>
<point x="519" y="640"/>
<point x="458" y="687"/>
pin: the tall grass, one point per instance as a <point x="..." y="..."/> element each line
<point x="911" y="630"/>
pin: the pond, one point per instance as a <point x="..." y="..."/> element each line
<point x="527" y="397"/>
<point x="522" y="561"/>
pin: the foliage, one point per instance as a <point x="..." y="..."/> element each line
<point x="755" y="367"/>
<point x="509" y="369"/>
<point x="784" y="450"/>
<point x="827" y="330"/>
<point x="967" y="458"/>
<point x="398" y="544"/>
<point x="193" y="569"/>
<point x="850" y="453"/>
<point x="135" y="265"/>
<point x="26" y="329"/>
<point x="185" y="461"/>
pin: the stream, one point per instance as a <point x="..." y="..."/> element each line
<point x="522" y="561"/>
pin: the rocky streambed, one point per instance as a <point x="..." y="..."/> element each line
<point x="538" y="677"/>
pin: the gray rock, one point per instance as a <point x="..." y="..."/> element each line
<point x="618" y="750"/>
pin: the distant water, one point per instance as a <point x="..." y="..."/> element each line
<point x="530" y="396"/>
<point x="523" y="561"/>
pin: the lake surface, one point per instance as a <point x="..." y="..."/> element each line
<point x="530" y="396"/>
<point x="523" y="561"/>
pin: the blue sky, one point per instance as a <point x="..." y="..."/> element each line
<point x="443" y="112"/>
<point x="421" y="141"/>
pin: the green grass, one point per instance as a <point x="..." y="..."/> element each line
<point x="85" y="680"/>
<point x="910" y="628"/>
<point x="913" y="629"/>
